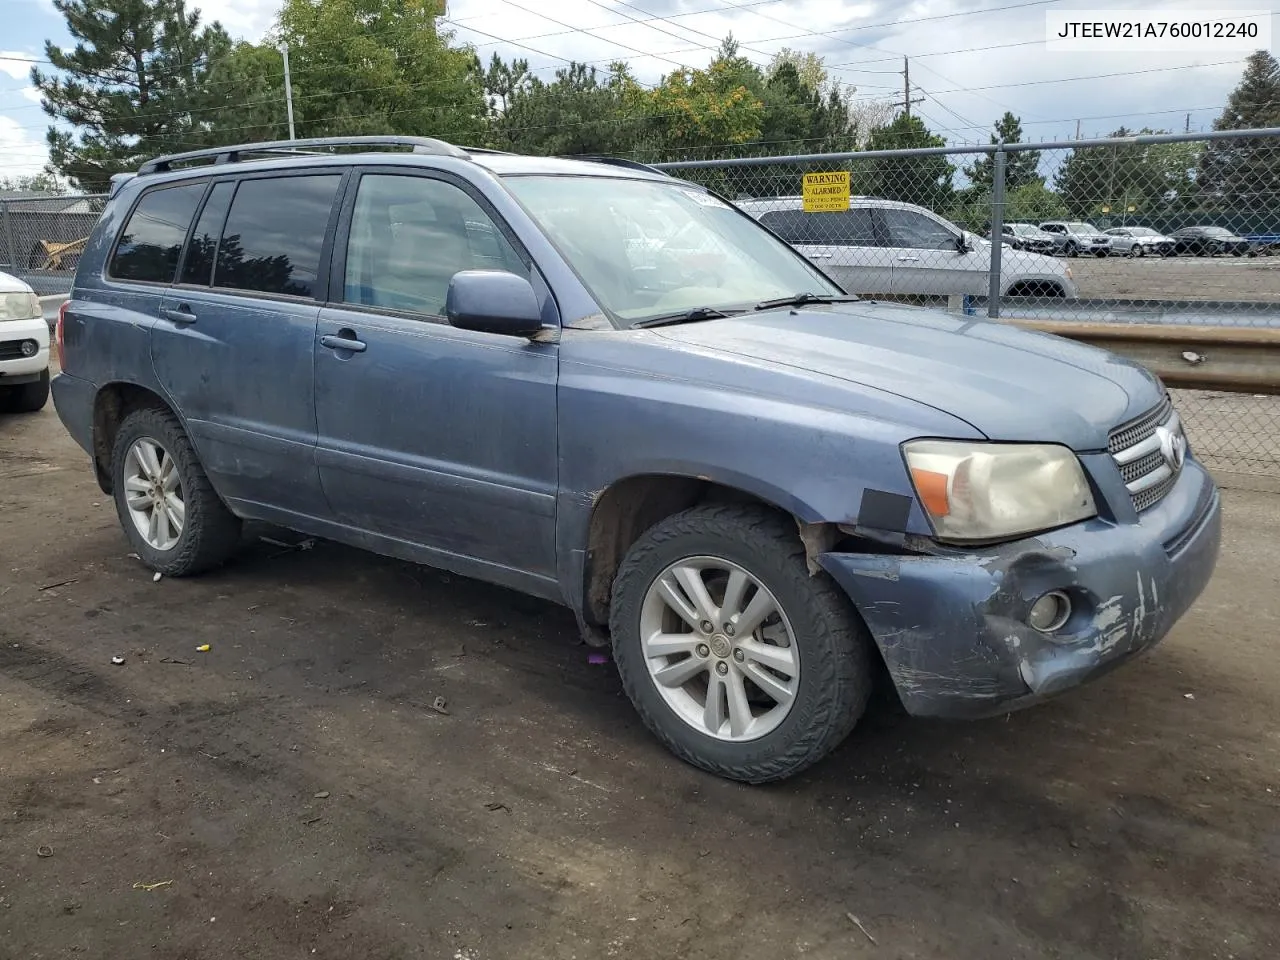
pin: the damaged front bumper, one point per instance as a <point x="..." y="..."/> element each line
<point x="953" y="629"/>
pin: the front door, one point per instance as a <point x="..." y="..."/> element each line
<point x="233" y="345"/>
<point x="431" y="435"/>
<point x="926" y="260"/>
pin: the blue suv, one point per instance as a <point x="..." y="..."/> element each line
<point x="605" y="386"/>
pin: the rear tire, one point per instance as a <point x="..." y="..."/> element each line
<point x="827" y="689"/>
<point x="207" y="532"/>
<point x="27" y="397"/>
<point x="1072" y="250"/>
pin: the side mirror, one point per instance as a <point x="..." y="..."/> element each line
<point x="962" y="243"/>
<point x="493" y="301"/>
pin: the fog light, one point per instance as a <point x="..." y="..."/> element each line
<point x="1050" y="612"/>
<point x="29" y="348"/>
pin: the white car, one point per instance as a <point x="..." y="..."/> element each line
<point x="1140" y="242"/>
<point x="891" y="248"/>
<point x="24" y="348"/>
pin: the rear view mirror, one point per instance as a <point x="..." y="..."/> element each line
<point x="493" y="301"/>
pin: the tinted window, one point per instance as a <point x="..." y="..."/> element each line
<point x="846" y="226"/>
<point x="198" y="266"/>
<point x="152" y="239"/>
<point x="909" y="229"/>
<point x="410" y="235"/>
<point x="274" y="234"/>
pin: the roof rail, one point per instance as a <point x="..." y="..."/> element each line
<point x="245" y="151"/>
<point x="621" y="162"/>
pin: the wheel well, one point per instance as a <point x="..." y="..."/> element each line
<point x="113" y="403"/>
<point x="626" y="510"/>
<point x="1035" y="288"/>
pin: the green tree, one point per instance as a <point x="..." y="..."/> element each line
<point x="46" y="181"/>
<point x="244" y="98"/>
<point x="380" y="66"/>
<point x="1020" y="168"/>
<point x="1153" y="179"/>
<point x="580" y="112"/>
<point x="924" y="180"/>
<point x="128" y="87"/>
<point x="1244" y="175"/>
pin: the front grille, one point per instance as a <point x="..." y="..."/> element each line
<point x="1145" y="464"/>
<point x="10" y="349"/>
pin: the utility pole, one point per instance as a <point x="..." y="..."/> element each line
<point x="288" y="88"/>
<point x="1077" y="129"/>
<point x="1188" y="127"/>
<point x="906" y="88"/>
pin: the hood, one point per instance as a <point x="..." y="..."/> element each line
<point x="11" y="284"/>
<point x="1009" y="384"/>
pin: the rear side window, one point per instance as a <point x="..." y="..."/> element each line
<point x="152" y="239"/>
<point x="851" y="226"/>
<point x="198" y="266"/>
<point x="274" y="234"/>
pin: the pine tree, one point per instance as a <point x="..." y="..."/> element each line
<point x="1245" y="174"/>
<point x="132" y="86"/>
<point x="1020" y="168"/>
<point x="922" y="180"/>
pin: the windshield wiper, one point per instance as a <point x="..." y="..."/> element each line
<point x="686" y="316"/>
<point x="800" y="299"/>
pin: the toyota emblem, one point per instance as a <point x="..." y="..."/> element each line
<point x="1173" y="445"/>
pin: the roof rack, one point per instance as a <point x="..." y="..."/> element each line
<point x="246" y="151"/>
<point x="621" y="162"/>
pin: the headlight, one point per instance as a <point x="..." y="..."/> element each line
<point x="20" y="306"/>
<point x="992" y="491"/>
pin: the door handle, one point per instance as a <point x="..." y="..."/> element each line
<point x="344" y="340"/>
<point x="179" y="314"/>
<point x="821" y="256"/>
<point x="908" y="259"/>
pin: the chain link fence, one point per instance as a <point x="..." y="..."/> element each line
<point x="1150" y="229"/>
<point x="42" y="236"/>
<point x="1158" y="229"/>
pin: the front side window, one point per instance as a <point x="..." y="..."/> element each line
<point x="274" y="234"/>
<point x="910" y="229"/>
<point x="649" y="248"/>
<point x="1083" y="228"/>
<point x="151" y="241"/>
<point x="410" y="235"/>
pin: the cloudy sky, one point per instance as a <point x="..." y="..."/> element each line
<point x="970" y="59"/>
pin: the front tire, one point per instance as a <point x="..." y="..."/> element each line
<point x="737" y="658"/>
<point x="177" y="523"/>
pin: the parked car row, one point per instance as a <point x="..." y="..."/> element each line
<point x="1073" y="239"/>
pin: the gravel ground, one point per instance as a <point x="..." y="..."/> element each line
<point x="1178" y="278"/>
<point x="291" y="794"/>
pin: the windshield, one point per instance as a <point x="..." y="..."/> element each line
<point x="1022" y="229"/>
<point x="1142" y="232"/>
<point x="1082" y="228"/>
<point x="647" y="248"/>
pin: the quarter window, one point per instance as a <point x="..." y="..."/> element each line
<point x="274" y="234"/>
<point x="152" y="239"/>
<point x="410" y="235"/>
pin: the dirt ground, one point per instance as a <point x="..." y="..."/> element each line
<point x="292" y="794"/>
<point x="1178" y="278"/>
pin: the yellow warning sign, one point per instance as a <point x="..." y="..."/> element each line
<point x="826" y="192"/>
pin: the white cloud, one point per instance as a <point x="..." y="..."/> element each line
<point x="20" y="152"/>
<point x="243" y="19"/>
<point x="16" y="63"/>
<point x="30" y="93"/>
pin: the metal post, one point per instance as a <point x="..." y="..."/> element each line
<point x="12" y="261"/>
<point x="288" y="88"/>
<point x="997" y="232"/>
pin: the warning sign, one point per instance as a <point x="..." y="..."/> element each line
<point x="826" y="192"/>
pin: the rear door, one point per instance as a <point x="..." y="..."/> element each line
<point x="233" y="345"/>
<point x="926" y="261"/>
<point x="428" y="434"/>
<point x="844" y="244"/>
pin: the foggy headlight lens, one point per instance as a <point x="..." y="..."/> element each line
<point x="992" y="491"/>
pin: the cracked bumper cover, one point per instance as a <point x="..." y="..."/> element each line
<point x="953" y="629"/>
